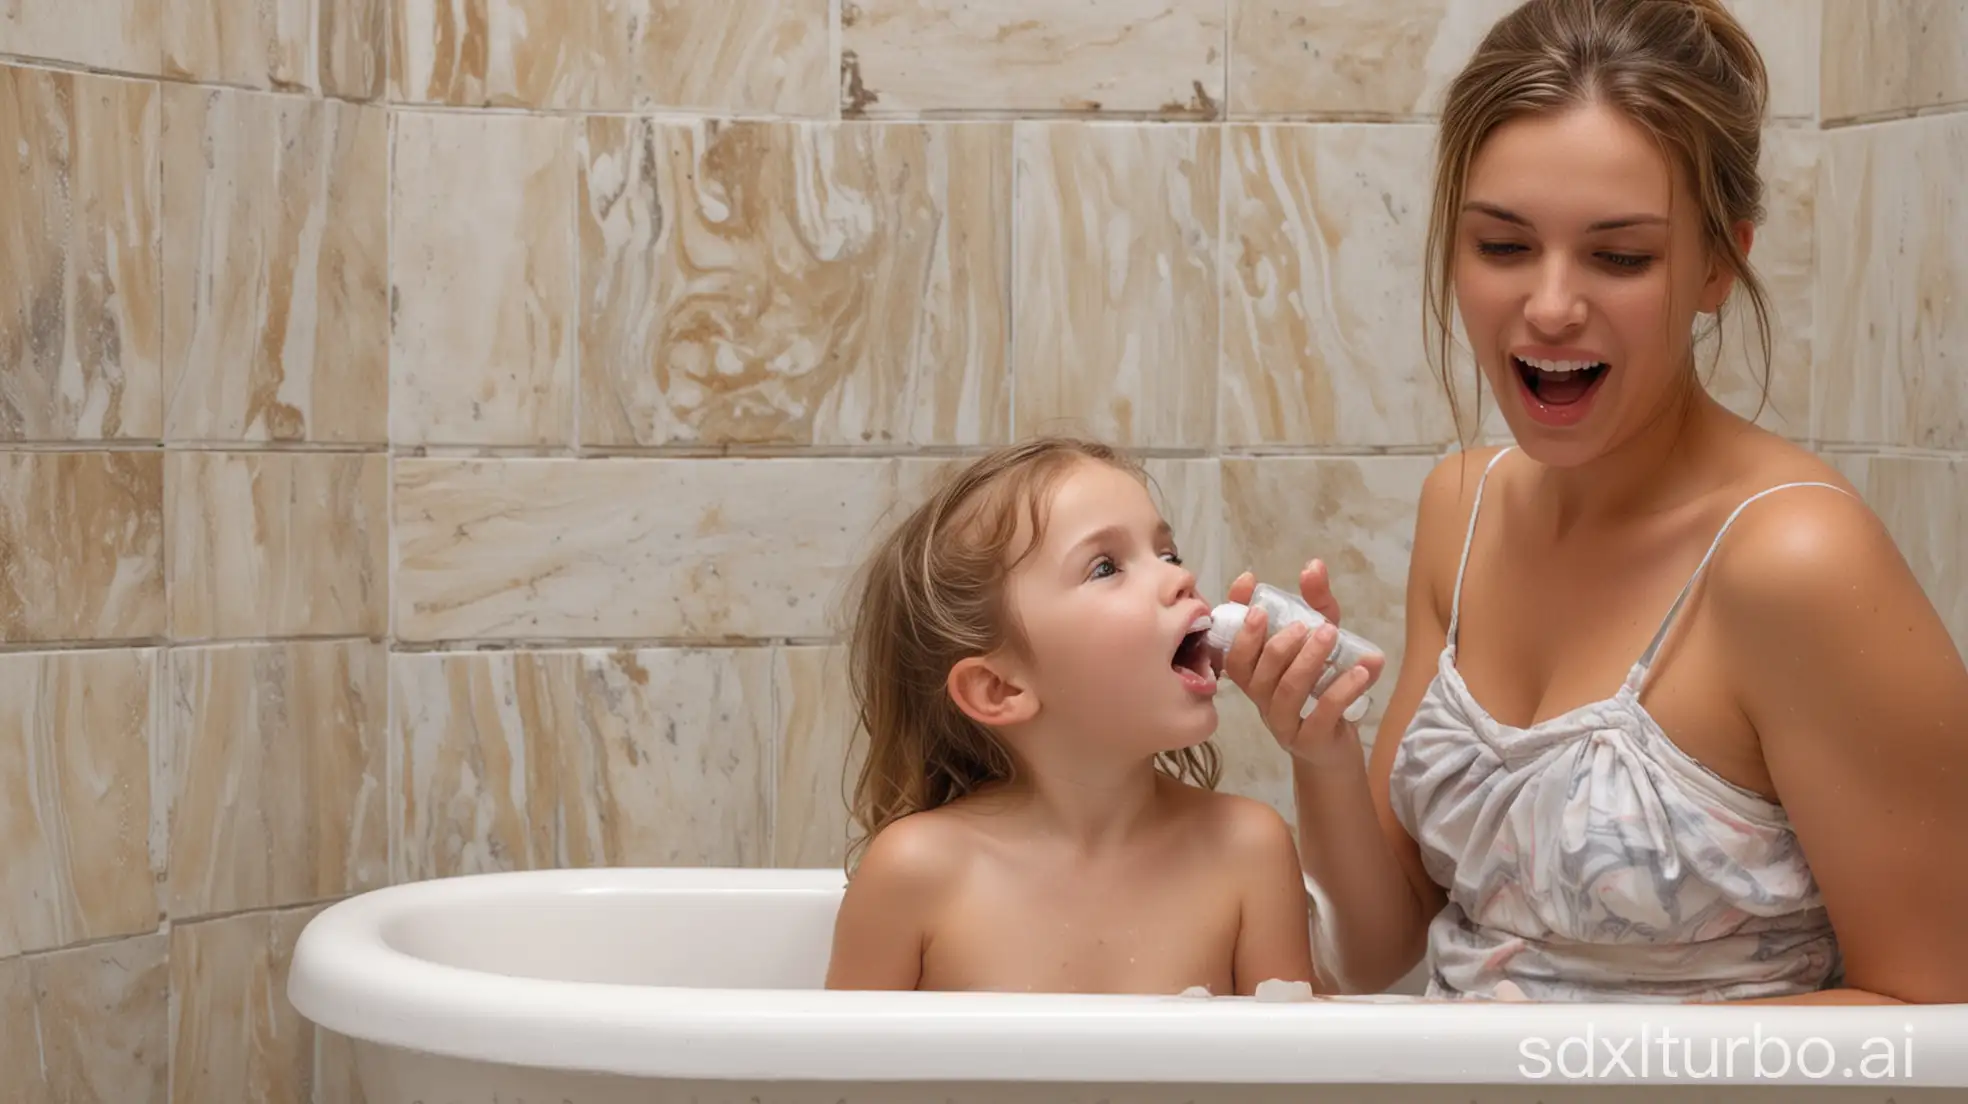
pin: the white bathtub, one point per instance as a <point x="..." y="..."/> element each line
<point x="618" y="985"/>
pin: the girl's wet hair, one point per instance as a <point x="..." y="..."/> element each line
<point x="1684" y="71"/>
<point x="933" y="593"/>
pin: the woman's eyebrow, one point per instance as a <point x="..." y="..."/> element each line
<point x="1507" y="215"/>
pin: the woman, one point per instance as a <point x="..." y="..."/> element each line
<point x="1674" y="721"/>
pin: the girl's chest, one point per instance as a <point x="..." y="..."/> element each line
<point x="1049" y="934"/>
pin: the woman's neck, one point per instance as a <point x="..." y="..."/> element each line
<point x="1644" y="474"/>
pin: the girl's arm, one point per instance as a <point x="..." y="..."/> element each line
<point x="1274" y="937"/>
<point x="882" y="926"/>
<point x="1860" y="701"/>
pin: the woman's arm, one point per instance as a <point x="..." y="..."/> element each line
<point x="1374" y="900"/>
<point x="1860" y="700"/>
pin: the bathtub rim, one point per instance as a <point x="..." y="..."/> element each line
<point x="345" y="978"/>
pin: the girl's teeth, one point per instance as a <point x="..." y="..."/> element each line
<point x="1201" y="624"/>
<point x="1559" y="367"/>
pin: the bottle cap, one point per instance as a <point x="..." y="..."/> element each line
<point x="1226" y="621"/>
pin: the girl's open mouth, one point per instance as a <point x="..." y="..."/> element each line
<point x="1194" y="660"/>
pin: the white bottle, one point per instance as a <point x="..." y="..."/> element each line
<point x="1282" y="608"/>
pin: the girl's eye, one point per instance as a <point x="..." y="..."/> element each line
<point x="1174" y="558"/>
<point x="1632" y="261"/>
<point x="1498" y="249"/>
<point x="1102" y="566"/>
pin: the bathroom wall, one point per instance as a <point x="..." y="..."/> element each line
<point x="433" y="434"/>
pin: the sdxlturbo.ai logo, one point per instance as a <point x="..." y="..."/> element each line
<point x="1659" y="1053"/>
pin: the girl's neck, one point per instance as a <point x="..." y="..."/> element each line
<point x="1093" y="804"/>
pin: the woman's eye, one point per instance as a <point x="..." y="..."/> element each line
<point x="1498" y="249"/>
<point x="1633" y="261"/>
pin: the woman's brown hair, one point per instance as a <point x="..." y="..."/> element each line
<point x="1684" y="71"/>
<point x="933" y="593"/>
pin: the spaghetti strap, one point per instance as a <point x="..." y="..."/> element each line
<point x="1660" y="635"/>
<point x="1469" y="538"/>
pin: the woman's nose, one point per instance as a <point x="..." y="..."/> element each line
<point x="1555" y="305"/>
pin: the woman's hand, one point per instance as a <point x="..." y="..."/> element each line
<point x="1278" y="674"/>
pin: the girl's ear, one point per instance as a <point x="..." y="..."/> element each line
<point x="990" y="692"/>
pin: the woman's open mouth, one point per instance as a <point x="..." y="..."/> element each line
<point x="1558" y="392"/>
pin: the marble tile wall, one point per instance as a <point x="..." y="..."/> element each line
<point x="434" y="434"/>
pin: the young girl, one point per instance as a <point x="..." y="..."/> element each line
<point x="1038" y="801"/>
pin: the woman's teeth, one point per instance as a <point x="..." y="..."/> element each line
<point x="1560" y="367"/>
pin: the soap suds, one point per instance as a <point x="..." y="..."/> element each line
<point x="1277" y="990"/>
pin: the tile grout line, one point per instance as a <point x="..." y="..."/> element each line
<point x="776" y="661"/>
<point x="1013" y="206"/>
<point x="392" y="769"/>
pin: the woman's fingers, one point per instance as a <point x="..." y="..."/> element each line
<point x="1241" y="588"/>
<point x="1315" y="586"/>
<point x="1278" y="653"/>
<point x="1295" y="684"/>
<point x="1318" y="728"/>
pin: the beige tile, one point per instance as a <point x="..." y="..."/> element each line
<point x="1307" y="58"/>
<point x="782" y="283"/>
<point x="275" y="237"/>
<point x="76" y="812"/>
<point x="1115" y="308"/>
<point x="336" y="1078"/>
<point x="20" y="1032"/>
<point x="81" y="546"/>
<point x="623" y="549"/>
<point x="1856" y="467"/>
<point x="79" y="310"/>
<point x="276" y="767"/>
<point x="1317" y="58"/>
<point x="124" y="35"/>
<point x="1324" y="232"/>
<point x="482" y="275"/>
<point x="908" y="57"/>
<point x="351" y="46"/>
<point x="515" y="53"/>
<point x="1893" y="56"/>
<point x="477" y="739"/>
<point x="671" y="762"/>
<point x="1356" y="514"/>
<point x="277" y="544"/>
<point x="1920" y="500"/>
<point x="1891" y="272"/>
<point x="234" y="1035"/>
<point x="821" y="751"/>
<point x="1782" y="254"/>
<point x="103" y="1017"/>
<point x="1787" y="33"/>
<point x="256" y="43"/>
<point x="751" y="57"/>
<point x="1189" y="494"/>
